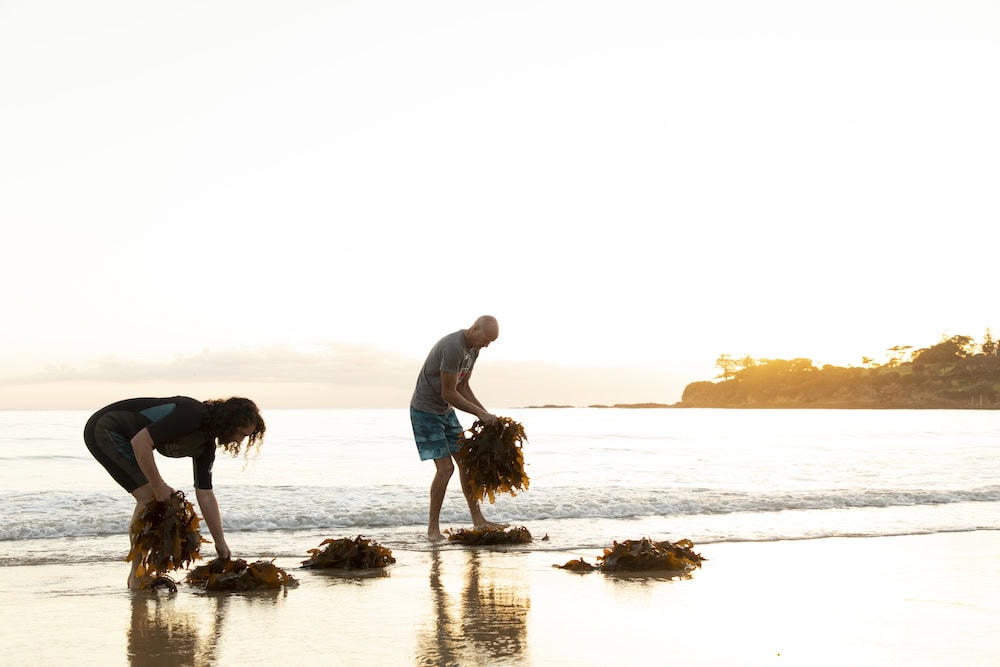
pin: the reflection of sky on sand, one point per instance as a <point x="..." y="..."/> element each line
<point x="916" y="600"/>
<point x="478" y="618"/>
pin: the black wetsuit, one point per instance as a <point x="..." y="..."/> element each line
<point x="173" y="423"/>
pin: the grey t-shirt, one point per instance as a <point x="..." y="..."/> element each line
<point x="448" y="355"/>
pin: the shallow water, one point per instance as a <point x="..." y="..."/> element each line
<point x="597" y="475"/>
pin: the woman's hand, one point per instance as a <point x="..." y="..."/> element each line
<point x="162" y="491"/>
<point x="222" y="549"/>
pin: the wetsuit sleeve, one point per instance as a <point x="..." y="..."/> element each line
<point x="203" y="468"/>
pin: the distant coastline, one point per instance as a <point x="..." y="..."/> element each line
<point x="955" y="374"/>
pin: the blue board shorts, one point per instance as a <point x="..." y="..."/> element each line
<point x="436" y="435"/>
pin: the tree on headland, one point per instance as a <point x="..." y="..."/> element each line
<point x="989" y="346"/>
<point x="897" y="352"/>
<point x="728" y="366"/>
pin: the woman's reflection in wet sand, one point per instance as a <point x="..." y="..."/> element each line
<point x="162" y="634"/>
<point x="489" y="627"/>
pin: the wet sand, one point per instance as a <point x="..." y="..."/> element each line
<point x="913" y="600"/>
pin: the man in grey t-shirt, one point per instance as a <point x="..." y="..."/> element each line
<point x="442" y="386"/>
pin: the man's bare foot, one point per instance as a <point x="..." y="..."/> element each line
<point x="435" y="536"/>
<point x="136" y="583"/>
<point x="492" y="526"/>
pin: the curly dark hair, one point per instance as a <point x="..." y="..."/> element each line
<point x="224" y="416"/>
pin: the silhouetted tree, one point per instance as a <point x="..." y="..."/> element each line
<point x="989" y="346"/>
<point x="965" y="344"/>
<point x="727" y="365"/>
<point x="897" y="352"/>
<point x="946" y="352"/>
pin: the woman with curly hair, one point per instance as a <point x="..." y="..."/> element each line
<point x="122" y="437"/>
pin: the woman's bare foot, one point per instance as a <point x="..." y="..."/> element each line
<point x="492" y="526"/>
<point x="435" y="536"/>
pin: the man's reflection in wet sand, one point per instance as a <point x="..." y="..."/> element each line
<point x="489" y="626"/>
<point x="437" y="642"/>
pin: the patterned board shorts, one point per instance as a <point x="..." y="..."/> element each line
<point x="436" y="435"/>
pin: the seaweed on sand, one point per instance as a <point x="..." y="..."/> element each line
<point x="223" y="574"/>
<point x="577" y="565"/>
<point x="490" y="536"/>
<point x="492" y="458"/>
<point x="165" y="537"/>
<point x="160" y="581"/>
<point x="347" y="554"/>
<point x="644" y="554"/>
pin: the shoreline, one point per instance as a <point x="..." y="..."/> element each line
<point x="925" y="599"/>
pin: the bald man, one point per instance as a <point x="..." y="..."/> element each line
<point x="442" y="386"/>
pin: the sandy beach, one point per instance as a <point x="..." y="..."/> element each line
<point x="913" y="600"/>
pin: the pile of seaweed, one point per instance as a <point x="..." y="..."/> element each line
<point x="347" y="554"/>
<point x="490" y="536"/>
<point x="223" y="574"/>
<point x="165" y="537"/>
<point x="492" y="458"/>
<point x="642" y="555"/>
<point x="577" y="565"/>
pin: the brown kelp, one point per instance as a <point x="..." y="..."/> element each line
<point x="492" y="458"/>
<point x="646" y="555"/>
<point x="223" y="574"/>
<point x="347" y="554"/>
<point x="577" y="565"/>
<point x="160" y="581"/>
<point x="165" y="537"/>
<point x="642" y="555"/>
<point x="489" y="536"/>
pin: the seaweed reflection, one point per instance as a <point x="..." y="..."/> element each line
<point x="487" y="624"/>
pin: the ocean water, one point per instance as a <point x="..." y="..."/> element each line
<point x="597" y="475"/>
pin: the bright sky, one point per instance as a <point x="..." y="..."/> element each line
<point x="293" y="201"/>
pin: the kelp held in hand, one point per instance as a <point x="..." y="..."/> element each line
<point x="492" y="458"/>
<point x="347" y="554"/>
<point x="165" y="537"/>
<point x="223" y="574"/>
<point x="644" y="554"/>
<point x="489" y="536"/>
